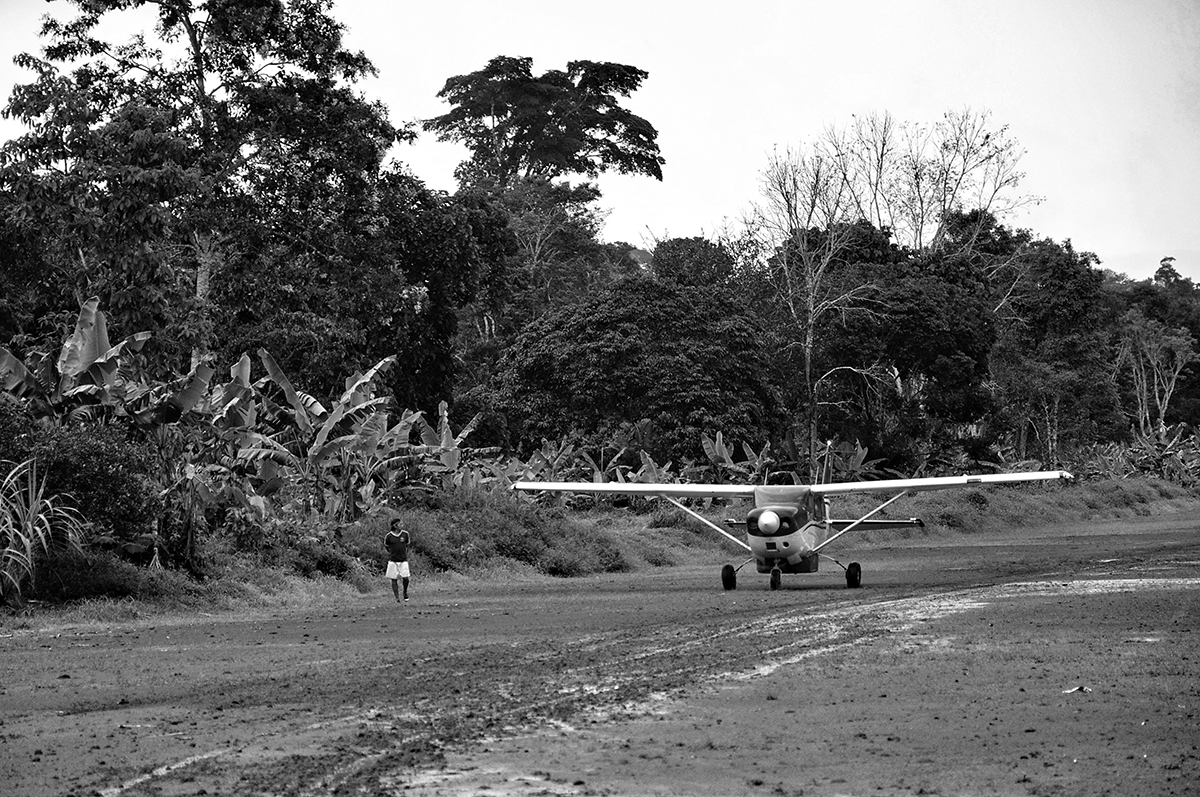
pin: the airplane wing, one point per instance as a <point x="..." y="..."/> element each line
<point x="836" y="488"/>
<point x="766" y="496"/>
<point x="641" y="488"/>
<point x="936" y="482"/>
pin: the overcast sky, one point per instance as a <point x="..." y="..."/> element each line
<point x="1104" y="95"/>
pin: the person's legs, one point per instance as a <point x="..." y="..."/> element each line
<point x="402" y="569"/>
<point x="396" y="588"/>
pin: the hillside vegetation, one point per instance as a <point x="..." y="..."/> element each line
<point x="482" y="535"/>
<point x="235" y="329"/>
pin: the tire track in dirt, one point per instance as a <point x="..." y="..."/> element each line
<point x="494" y="770"/>
<point x="489" y="690"/>
<point x="615" y="674"/>
<point x="503" y="689"/>
<point x="766" y="643"/>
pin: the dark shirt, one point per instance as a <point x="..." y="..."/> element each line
<point x="397" y="546"/>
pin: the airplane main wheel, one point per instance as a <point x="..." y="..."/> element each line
<point x="776" y="578"/>
<point x="728" y="577"/>
<point x="854" y="575"/>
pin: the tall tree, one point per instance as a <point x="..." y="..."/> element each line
<point x="929" y="349"/>
<point x="559" y="257"/>
<point x="1053" y="360"/>
<point x="551" y="256"/>
<point x="697" y="262"/>
<point x="1171" y="300"/>
<point x="559" y="123"/>
<point x="628" y="355"/>
<point x="798" y="240"/>
<point x="1157" y="357"/>
<point x="911" y="178"/>
<point x="147" y="164"/>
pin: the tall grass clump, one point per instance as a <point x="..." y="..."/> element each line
<point x="32" y="526"/>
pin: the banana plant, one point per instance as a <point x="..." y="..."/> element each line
<point x="456" y="465"/>
<point x="87" y="376"/>
<point x="381" y="459"/>
<point x="444" y="439"/>
<point x="234" y="404"/>
<point x="551" y="462"/>
<point x="310" y="444"/>
<point x="609" y="469"/>
<point x="653" y="473"/>
<point x="845" y="462"/>
<point x="753" y="469"/>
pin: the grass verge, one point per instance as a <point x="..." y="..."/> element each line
<point x="478" y="535"/>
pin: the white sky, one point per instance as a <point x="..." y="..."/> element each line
<point x="1104" y="95"/>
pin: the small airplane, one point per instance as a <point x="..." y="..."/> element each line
<point x="790" y="525"/>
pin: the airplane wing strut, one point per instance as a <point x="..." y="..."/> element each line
<point x="709" y="523"/>
<point x="874" y="511"/>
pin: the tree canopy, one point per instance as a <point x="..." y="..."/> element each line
<point x="225" y="187"/>
<point x="679" y="360"/>
<point x="222" y="183"/>
<point x="562" y="122"/>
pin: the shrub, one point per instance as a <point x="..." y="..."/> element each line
<point x="75" y="575"/>
<point x="17" y="430"/>
<point x="310" y="558"/>
<point x="108" y="477"/>
<point x="567" y="562"/>
<point x="363" y="540"/>
<point x="581" y="552"/>
<point x="307" y="546"/>
<point x="656" y="556"/>
<point x="951" y="519"/>
<point x="976" y="499"/>
<point x="609" y="554"/>
<point x="668" y="516"/>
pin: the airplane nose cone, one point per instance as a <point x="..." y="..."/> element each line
<point x="768" y="522"/>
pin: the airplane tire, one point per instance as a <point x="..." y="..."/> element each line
<point x="728" y="577"/>
<point x="776" y="578"/>
<point x="854" y="575"/>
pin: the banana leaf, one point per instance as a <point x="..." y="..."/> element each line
<point x="86" y="344"/>
<point x="300" y="408"/>
<point x="15" y="378"/>
<point x="357" y="382"/>
<point x="258" y="447"/>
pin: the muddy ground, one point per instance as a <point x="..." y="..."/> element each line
<point x="1057" y="661"/>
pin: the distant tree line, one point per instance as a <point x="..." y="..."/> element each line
<point x="221" y="184"/>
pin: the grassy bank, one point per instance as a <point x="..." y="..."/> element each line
<point x="995" y="509"/>
<point x="475" y="535"/>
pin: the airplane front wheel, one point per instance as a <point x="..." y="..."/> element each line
<point x="728" y="577"/>
<point x="854" y="575"/>
<point x="776" y="578"/>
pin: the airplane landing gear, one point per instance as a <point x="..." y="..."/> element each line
<point x="776" y="578"/>
<point x="854" y="576"/>
<point x="729" y="577"/>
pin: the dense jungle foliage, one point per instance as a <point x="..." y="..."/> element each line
<point x="234" y="325"/>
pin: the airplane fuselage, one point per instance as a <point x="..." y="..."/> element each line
<point x="785" y="537"/>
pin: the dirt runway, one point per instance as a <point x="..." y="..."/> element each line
<point x="1056" y="661"/>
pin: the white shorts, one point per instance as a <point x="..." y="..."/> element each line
<point x="397" y="570"/>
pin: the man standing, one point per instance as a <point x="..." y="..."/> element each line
<point x="396" y="542"/>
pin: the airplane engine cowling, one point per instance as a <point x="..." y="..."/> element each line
<point x="772" y="521"/>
